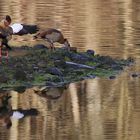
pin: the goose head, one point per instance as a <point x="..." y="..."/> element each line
<point x="7" y="20"/>
<point x="66" y="44"/>
<point x="37" y="36"/>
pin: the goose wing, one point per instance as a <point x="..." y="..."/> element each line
<point x="22" y="29"/>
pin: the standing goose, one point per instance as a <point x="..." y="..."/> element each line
<point x="6" y="32"/>
<point x="52" y="35"/>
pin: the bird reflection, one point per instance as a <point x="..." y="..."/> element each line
<point x="52" y="93"/>
<point x="6" y="111"/>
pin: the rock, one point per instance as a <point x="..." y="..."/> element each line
<point x="50" y="84"/>
<point x="20" y="89"/>
<point x="86" y="57"/>
<point x="30" y="77"/>
<point x="81" y="66"/>
<point x="56" y="57"/>
<point x="117" y="67"/>
<point x="106" y="60"/>
<point x="73" y="49"/>
<point x="130" y="60"/>
<point x="54" y="84"/>
<point x="90" y="52"/>
<point x="42" y="64"/>
<point x="64" y="48"/>
<point x="40" y="46"/>
<point x="91" y="76"/>
<point x="79" y="72"/>
<point x="55" y="71"/>
<point x="35" y="68"/>
<point x="112" y="77"/>
<point x="4" y="79"/>
<point x="20" y="75"/>
<point x="24" y="47"/>
<point x="88" y="77"/>
<point x="60" y="63"/>
<point x="134" y="75"/>
<point x="78" y="58"/>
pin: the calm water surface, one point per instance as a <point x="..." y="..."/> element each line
<point x="98" y="109"/>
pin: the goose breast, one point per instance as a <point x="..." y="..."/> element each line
<point x="54" y="36"/>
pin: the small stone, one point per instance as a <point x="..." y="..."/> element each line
<point x="112" y="77"/>
<point x="20" y="89"/>
<point x="73" y="49"/>
<point x="130" y="60"/>
<point x="134" y="75"/>
<point x="24" y="47"/>
<point x="4" y="79"/>
<point x="20" y="75"/>
<point x="92" y="76"/>
<point x="60" y="63"/>
<point x="90" y="52"/>
<point x="117" y="67"/>
<point x="41" y="64"/>
<point x="54" y="71"/>
<point x="40" y="46"/>
<point x="35" y="68"/>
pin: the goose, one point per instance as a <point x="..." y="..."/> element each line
<point x="52" y="35"/>
<point x="5" y="33"/>
<point x="22" y="29"/>
<point x="15" y="29"/>
<point x="6" y="30"/>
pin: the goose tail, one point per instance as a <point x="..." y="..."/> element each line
<point x="31" y="29"/>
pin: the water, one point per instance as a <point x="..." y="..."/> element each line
<point x="98" y="109"/>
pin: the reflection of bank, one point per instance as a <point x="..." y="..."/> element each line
<point x="6" y="111"/>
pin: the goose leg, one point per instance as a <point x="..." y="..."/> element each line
<point x="7" y="55"/>
<point x="52" y="46"/>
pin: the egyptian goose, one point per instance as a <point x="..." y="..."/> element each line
<point x="52" y="35"/>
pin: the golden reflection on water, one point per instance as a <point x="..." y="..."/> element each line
<point x="98" y="109"/>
